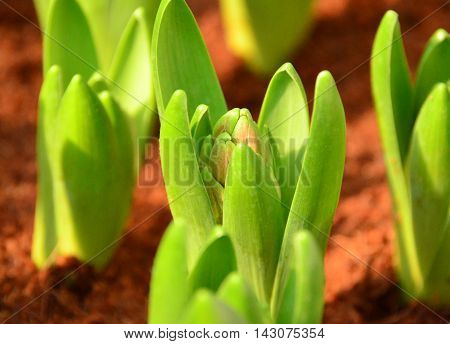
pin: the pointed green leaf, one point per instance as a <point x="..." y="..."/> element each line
<point x="434" y="66"/>
<point x="302" y="296"/>
<point x="68" y="42"/>
<point x="256" y="233"/>
<point x="319" y="184"/>
<point x="392" y="90"/>
<point x="214" y="264"/>
<point x="285" y="113"/>
<point x="180" y="60"/>
<point x="89" y="185"/>
<point x="131" y="80"/>
<point x="428" y="175"/>
<point x="265" y="32"/>
<point x="392" y="93"/>
<point x="236" y="294"/>
<point x="169" y="282"/>
<point x="186" y="192"/>
<point x="205" y="308"/>
<point x="108" y="19"/>
<point x="44" y="235"/>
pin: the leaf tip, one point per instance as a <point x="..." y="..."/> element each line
<point x="325" y="77"/>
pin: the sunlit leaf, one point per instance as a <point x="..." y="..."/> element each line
<point x="434" y="66"/>
<point x="302" y="295"/>
<point x="429" y="183"/>
<point x="214" y="264"/>
<point x="256" y="233"/>
<point x="68" y="41"/>
<point x="180" y="61"/>
<point x="319" y="184"/>
<point x="88" y="178"/>
<point x="44" y="235"/>
<point x="169" y="289"/>
<point x="186" y="192"/>
<point x="285" y="113"/>
<point x="130" y="74"/>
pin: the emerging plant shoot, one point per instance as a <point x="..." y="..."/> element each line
<point x="414" y="121"/>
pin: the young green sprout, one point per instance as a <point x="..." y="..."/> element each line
<point x="90" y="120"/>
<point x="272" y="187"/>
<point x="414" y="121"/>
<point x="265" y="32"/>
<point x="107" y="20"/>
<point x="86" y="172"/>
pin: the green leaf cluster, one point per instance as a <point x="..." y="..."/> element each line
<point x="414" y="121"/>
<point x="272" y="186"/>
<point x="91" y="116"/>
<point x="86" y="172"/>
<point x="264" y="32"/>
<point x="107" y="19"/>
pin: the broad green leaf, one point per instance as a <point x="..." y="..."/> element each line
<point x="131" y="80"/>
<point x="302" y="298"/>
<point x="392" y="93"/>
<point x="256" y="233"/>
<point x="319" y="184"/>
<point x="186" y="192"/>
<point x="180" y="61"/>
<point x="89" y="182"/>
<point x="285" y="113"/>
<point x="215" y="263"/>
<point x="205" y="308"/>
<point x="169" y="289"/>
<point x="434" y="66"/>
<point x="236" y="294"/>
<point x="265" y="32"/>
<point x="108" y="19"/>
<point x="68" y="42"/>
<point x="44" y="235"/>
<point x="428" y="169"/>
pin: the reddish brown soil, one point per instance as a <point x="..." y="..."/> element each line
<point x="360" y="278"/>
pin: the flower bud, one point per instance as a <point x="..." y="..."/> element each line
<point x="220" y="156"/>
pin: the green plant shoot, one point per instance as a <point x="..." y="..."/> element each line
<point x="414" y="121"/>
<point x="264" y="32"/>
<point x="92" y="115"/>
<point x="271" y="186"/>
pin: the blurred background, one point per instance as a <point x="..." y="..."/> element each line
<point x="360" y="278"/>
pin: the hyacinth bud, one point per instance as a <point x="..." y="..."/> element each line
<point x="236" y="126"/>
<point x="215" y="192"/>
<point x="220" y="156"/>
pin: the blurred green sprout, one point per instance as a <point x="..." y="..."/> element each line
<point x="253" y="203"/>
<point x="264" y="32"/>
<point x="414" y="121"/>
<point x="92" y="112"/>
